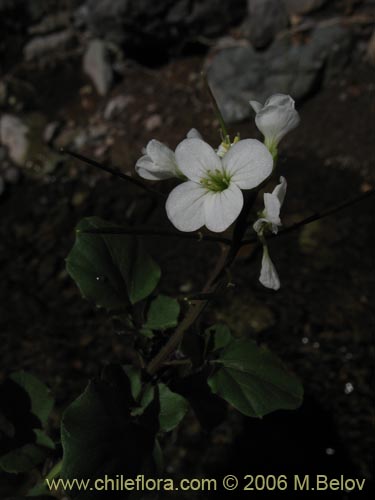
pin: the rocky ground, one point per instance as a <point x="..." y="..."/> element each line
<point x="86" y="95"/>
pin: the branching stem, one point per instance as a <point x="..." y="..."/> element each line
<point x="315" y="217"/>
<point x="197" y="236"/>
<point x="113" y="171"/>
<point x="216" y="281"/>
<point x="219" y="276"/>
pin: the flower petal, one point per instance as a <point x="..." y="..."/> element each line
<point x="257" y="106"/>
<point x="162" y="157"/>
<point x="272" y="208"/>
<point x="222" y="208"/>
<point x="195" y="157"/>
<point x="158" y="163"/>
<point x="280" y="190"/>
<point x="275" y="121"/>
<point x="280" y="100"/>
<point x="249" y="163"/>
<point x="268" y="274"/>
<point x="194" y="134"/>
<point x="147" y="169"/>
<point x="185" y="206"/>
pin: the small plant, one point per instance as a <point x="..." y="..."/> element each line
<point x="115" y="425"/>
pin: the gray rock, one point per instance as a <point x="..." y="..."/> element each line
<point x="303" y="6"/>
<point x="42" y="46"/>
<point x="14" y="136"/>
<point x="266" y="19"/>
<point x="240" y="74"/>
<point x="147" y="25"/>
<point x="116" y="106"/>
<point x="49" y="23"/>
<point x="97" y="66"/>
<point x="153" y="122"/>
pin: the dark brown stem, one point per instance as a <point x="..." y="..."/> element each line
<point x="216" y="282"/>
<point x="159" y="232"/>
<point x="315" y="217"/>
<point x="218" y="279"/>
<point x="114" y="171"/>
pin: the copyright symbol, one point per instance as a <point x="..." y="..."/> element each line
<point x="230" y="482"/>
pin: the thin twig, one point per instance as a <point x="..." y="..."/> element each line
<point x="219" y="116"/>
<point x="158" y="232"/>
<point x="114" y="171"/>
<point x="315" y="217"/>
<point x="217" y="280"/>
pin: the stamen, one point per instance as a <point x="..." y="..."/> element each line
<point x="216" y="181"/>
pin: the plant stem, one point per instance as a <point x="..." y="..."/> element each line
<point x="55" y="471"/>
<point x="315" y="217"/>
<point x="198" y="236"/>
<point x="216" y="281"/>
<point x="114" y="171"/>
<point x="218" y="278"/>
<point x="218" y="114"/>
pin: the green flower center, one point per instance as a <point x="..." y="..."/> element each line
<point x="216" y="181"/>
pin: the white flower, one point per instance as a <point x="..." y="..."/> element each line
<point x="270" y="217"/>
<point x="276" y="118"/>
<point x="194" y="134"/>
<point x="225" y="146"/>
<point x="159" y="162"/>
<point x="268" y="274"/>
<point x="212" y="195"/>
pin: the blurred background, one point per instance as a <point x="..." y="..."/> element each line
<point x="102" y="78"/>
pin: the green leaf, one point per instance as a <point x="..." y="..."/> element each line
<point x="43" y="440"/>
<point x="28" y="405"/>
<point x="146" y="399"/>
<point x="23" y="459"/>
<point x="163" y="313"/>
<point x="254" y="380"/>
<point x="111" y="270"/>
<point x="134" y="376"/>
<point x="100" y="437"/>
<point x="173" y="408"/>
<point x="221" y="336"/>
<point x="39" y="394"/>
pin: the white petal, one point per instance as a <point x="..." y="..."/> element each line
<point x="274" y="121"/>
<point x="185" y="206"/>
<point x="257" y="106"/>
<point x="280" y="190"/>
<point x="222" y="208"/>
<point x="272" y="208"/>
<point x="222" y="150"/>
<point x="280" y="100"/>
<point x="163" y="157"/>
<point x="194" y="134"/>
<point x="147" y="169"/>
<point x="249" y="162"/>
<point x="268" y="274"/>
<point x="195" y="157"/>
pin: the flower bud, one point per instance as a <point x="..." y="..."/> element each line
<point x="275" y="119"/>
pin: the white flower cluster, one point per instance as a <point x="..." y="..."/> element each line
<point x="269" y="220"/>
<point x="210" y="193"/>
